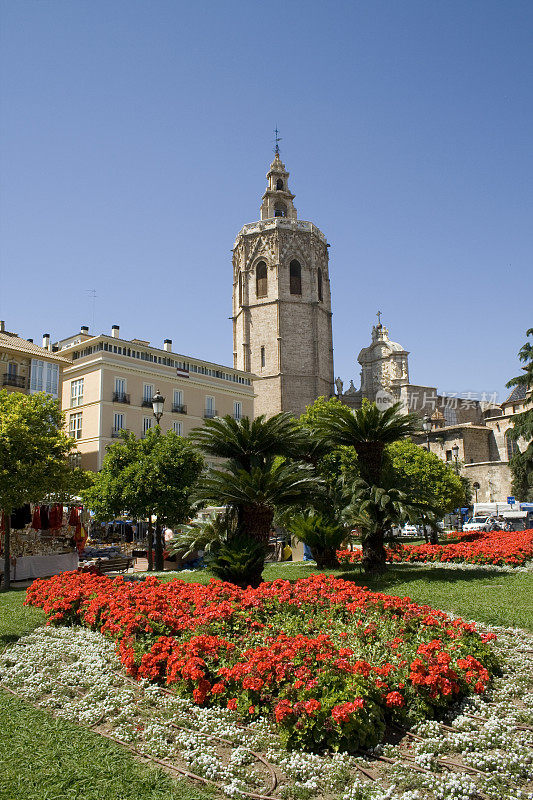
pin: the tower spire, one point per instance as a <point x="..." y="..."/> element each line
<point x="277" y="140"/>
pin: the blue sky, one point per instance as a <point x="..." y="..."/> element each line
<point x="136" y="136"/>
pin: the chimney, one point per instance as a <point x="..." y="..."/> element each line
<point x="46" y="341"/>
<point x="84" y="329"/>
<point x="2" y="326"/>
<point x="167" y="345"/>
<point x="115" y="330"/>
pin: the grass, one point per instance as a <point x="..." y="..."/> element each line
<point x="42" y="758"/>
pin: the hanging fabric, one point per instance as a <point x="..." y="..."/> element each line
<point x="74" y="516"/>
<point x="36" y="519"/>
<point x="56" y="517"/>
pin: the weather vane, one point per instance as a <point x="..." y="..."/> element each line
<point x="277" y="139"/>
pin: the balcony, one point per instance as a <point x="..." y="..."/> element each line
<point x="146" y="403"/>
<point x="115" y="432"/>
<point x="179" y="409"/>
<point x="13" y="380"/>
<point x="210" y="413"/>
<point x="121" y="397"/>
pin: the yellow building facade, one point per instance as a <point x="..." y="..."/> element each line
<point x="26" y="367"/>
<point x="109" y="383"/>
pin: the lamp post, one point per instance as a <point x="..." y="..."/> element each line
<point x="455" y="452"/>
<point x="426" y="425"/>
<point x="158" y="401"/>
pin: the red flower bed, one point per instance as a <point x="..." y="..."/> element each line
<point x="329" y="662"/>
<point x="498" y="548"/>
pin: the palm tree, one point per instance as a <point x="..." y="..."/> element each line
<point x="255" y="495"/>
<point x="368" y="430"/>
<point x="375" y="511"/>
<point x="251" y="443"/>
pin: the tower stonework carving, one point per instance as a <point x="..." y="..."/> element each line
<point x="282" y="303"/>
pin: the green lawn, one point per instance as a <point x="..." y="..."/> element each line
<point x="42" y="758"/>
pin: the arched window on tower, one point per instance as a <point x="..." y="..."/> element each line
<point x="512" y="446"/>
<point x="240" y="288"/>
<point x="261" y="287"/>
<point x="320" y="297"/>
<point x="295" y="277"/>
<point x="280" y="210"/>
<point x="279" y="184"/>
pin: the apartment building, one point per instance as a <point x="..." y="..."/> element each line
<point x="109" y="383"/>
<point x="26" y="367"/>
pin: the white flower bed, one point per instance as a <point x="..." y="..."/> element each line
<point x="75" y="673"/>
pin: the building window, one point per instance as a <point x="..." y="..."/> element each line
<point x="240" y="288"/>
<point x="279" y="185"/>
<point x="448" y="455"/>
<point x="177" y="404"/>
<point x="177" y="427"/>
<point x="148" y="423"/>
<point x="512" y="446"/>
<point x="261" y="287"/>
<point x="209" y="407"/>
<point x="76" y="393"/>
<point x="295" y="277"/>
<point x="148" y="392"/>
<point x="237" y="411"/>
<point x="263" y="357"/>
<point x="319" y="280"/>
<point x="280" y="210"/>
<point x="12" y="369"/>
<point x="44" y="377"/>
<point x="75" y="425"/>
<point x="118" y="424"/>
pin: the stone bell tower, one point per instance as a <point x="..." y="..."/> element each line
<point x="282" y="303"/>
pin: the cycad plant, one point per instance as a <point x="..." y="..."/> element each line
<point x="258" y="479"/>
<point x="375" y="511"/>
<point x="251" y="443"/>
<point x="322" y="534"/>
<point x="368" y="430"/>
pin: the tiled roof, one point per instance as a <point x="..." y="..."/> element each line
<point x="17" y="344"/>
<point x="518" y="394"/>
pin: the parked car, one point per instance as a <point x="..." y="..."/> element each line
<point x="409" y="530"/>
<point x="479" y="524"/>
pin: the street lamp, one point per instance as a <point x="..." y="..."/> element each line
<point x="426" y="425"/>
<point x="455" y="451"/>
<point x="158" y="401"/>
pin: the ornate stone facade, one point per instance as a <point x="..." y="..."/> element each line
<point x="282" y="304"/>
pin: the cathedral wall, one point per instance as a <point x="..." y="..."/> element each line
<point x="268" y="399"/>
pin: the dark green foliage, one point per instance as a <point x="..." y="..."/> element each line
<point x="259" y="477"/>
<point x="522" y="463"/>
<point x="240" y="561"/>
<point x="322" y="534"/>
<point x="248" y="444"/>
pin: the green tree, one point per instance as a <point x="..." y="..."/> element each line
<point x="34" y="454"/>
<point x="424" y="477"/>
<point x="522" y="463"/>
<point x="368" y="431"/>
<point x="258" y="479"/>
<point x="147" y="477"/>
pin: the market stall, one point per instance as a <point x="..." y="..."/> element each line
<point x="45" y="540"/>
